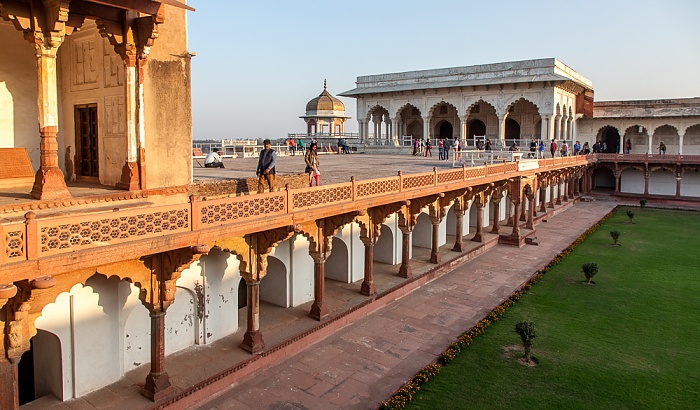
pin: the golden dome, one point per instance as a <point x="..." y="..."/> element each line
<point x="324" y="102"/>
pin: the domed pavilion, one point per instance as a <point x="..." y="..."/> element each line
<point x="325" y="115"/>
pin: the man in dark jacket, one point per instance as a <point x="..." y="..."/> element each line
<point x="266" y="167"/>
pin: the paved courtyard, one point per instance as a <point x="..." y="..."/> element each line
<point x="359" y="361"/>
<point x="334" y="168"/>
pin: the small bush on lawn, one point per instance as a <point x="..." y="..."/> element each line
<point x="589" y="270"/>
<point x="615" y="235"/>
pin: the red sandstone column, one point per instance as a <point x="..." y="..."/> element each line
<point x="459" y="229"/>
<point x="543" y="199"/>
<point x="516" y="227"/>
<point x="530" y="224"/>
<point x="253" y="338"/>
<point x="479" y="235"/>
<point x="367" y="287"/>
<point x="523" y="200"/>
<point x="565" y="196"/>
<point x="559" y="193"/>
<point x="551" y="195"/>
<point x="158" y="383"/>
<point x="319" y="310"/>
<point x="8" y="385"/>
<point x="434" y="248"/>
<point x="646" y="182"/>
<point x="617" y="182"/>
<point x="49" y="182"/>
<point x="405" y="270"/>
<point x="496" y="213"/>
<point x="678" y="186"/>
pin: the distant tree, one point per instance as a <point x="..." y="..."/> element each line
<point x="526" y="330"/>
<point x="630" y="215"/>
<point x="615" y="235"/>
<point x="642" y="203"/>
<point x="589" y="269"/>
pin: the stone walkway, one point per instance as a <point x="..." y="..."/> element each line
<point x="362" y="364"/>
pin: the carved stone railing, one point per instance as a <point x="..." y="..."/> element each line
<point x="42" y="236"/>
<point x="649" y="158"/>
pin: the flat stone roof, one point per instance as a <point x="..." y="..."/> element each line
<point x="526" y="71"/>
<point x="676" y="107"/>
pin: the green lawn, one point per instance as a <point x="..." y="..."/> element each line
<point x="631" y="341"/>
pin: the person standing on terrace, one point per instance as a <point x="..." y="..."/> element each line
<point x="312" y="164"/>
<point x="266" y="167"/>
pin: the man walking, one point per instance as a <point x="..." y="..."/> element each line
<point x="266" y="168"/>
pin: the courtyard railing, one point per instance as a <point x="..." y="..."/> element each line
<point x="34" y="237"/>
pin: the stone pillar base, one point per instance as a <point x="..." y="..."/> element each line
<point x="319" y="311"/>
<point x="157" y="386"/>
<point x="130" y="177"/>
<point x="367" y="288"/>
<point x="405" y="271"/>
<point x="478" y="237"/>
<point x="253" y="341"/>
<point x="511" y="240"/>
<point x="49" y="184"/>
<point x="459" y="247"/>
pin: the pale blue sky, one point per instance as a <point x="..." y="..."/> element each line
<point x="259" y="62"/>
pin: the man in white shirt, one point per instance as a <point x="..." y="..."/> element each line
<point x="213" y="160"/>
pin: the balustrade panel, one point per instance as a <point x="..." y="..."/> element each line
<point x="377" y="187"/>
<point x="226" y="210"/>
<point x="317" y="196"/>
<point x="71" y="233"/>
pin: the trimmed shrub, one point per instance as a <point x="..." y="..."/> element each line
<point x="526" y="330"/>
<point x="589" y="270"/>
<point x="615" y="235"/>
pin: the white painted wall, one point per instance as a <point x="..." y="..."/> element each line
<point x="274" y="287"/>
<point x="338" y="264"/>
<point x="632" y="181"/>
<point x="302" y="271"/>
<point x="385" y="248"/>
<point x="662" y="182"/>
<point x="222" y="278"/>
<point x="690" y="184"/>
<point x="18" y="93"/>
<point x="48" y="369"/>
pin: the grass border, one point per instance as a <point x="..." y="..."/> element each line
<point x="405" y="394"/>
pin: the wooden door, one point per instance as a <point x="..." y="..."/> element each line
<point x="86" y="141"/>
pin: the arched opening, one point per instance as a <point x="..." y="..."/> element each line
<point x="512" y="131"/>
<point x="611" y="137"/>
<point x="603" y="178"/>
<point x="662" y="181"/>
<point x="242" y="294"/>
<point x="485" y="114"/>
<point x="669" y="136"/>
<point x="423" y="232"/>
<point x="410" y="124"/>
<point x="444" y="129"/>
<point x="476" y="128"/>
<point x="691" y="140"/>
<point x="40" y="370"/>
<point x="638" y="139"/>
<point x="415" y="129"/>
<point x="384" y="249"/>
<point x="274" y="288"/>
<point x="337" y="265"/>
<point x="632" y="181"/>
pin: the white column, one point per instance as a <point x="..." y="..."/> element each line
<point x="649" y="149"/>
<point x="680" y="143"/>
<point x="395" y="131"/>
<point x="426" y="127"/>
<point x="463" y="130"/>
<point x="502" y="130"/>
<point x="543" y="128"/>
